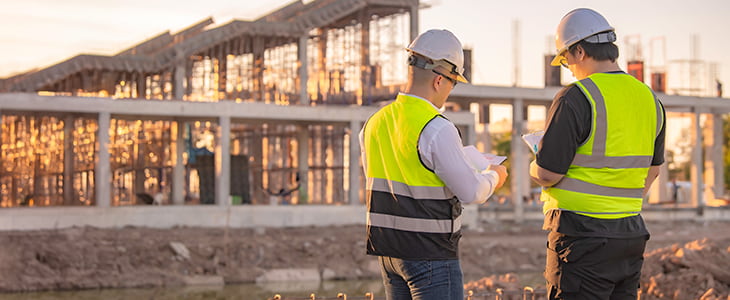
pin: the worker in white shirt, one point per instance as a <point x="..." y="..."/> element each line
<point x="418" y="177"/>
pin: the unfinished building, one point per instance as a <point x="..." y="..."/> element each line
<point x="325" y="52"/>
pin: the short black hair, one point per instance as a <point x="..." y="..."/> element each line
<point x="599" y="52"/>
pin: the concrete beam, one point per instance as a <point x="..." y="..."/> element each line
<point x="278" y="216"/>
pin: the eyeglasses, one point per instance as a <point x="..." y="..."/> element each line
<point x="563" y="60"/>
<point x="453" y="81"/>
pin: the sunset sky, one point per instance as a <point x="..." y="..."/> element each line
<point x="38" y="33"/>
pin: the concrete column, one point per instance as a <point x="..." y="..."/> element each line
<point x="178" y="167"/>
<point x="258" y="68"/>
<point x="68" y="160"/>
<point x="223" y="162"/>
<point x="696" y="168"/>
<point x="414" y="22"/>
<point x="658" y="193"/>
<point x="355" y="169"/>
<point x="519" y="171"/>
<point x="481" y="128"/>
<point x="257" y="166"/>
<point x="102" y="172"/>
<point x="323" y="80"/>
<point x="178" y="79"/>
<point x="714" y="161"/>
<point x="303" y="165"/>
<point x="365" y="86"/>
<point x="141" y="86"/>
<point x="303" y="70"/>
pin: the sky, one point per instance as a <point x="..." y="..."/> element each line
<point x="39" y="33"/>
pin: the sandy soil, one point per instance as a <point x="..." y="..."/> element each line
<point x="685" y="260"/>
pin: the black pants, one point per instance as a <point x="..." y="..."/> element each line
<point x="593" y="267"/>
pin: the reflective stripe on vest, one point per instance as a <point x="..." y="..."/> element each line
<point x="582" y="190"/>
<point x="416" y="192"/>
<point x="414" y="224"/>
<point x="411" y="193"/>
<point x="395" y="171"/>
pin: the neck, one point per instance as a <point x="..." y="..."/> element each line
<point x="423" y="92"/>
<point x="591" y="66"/>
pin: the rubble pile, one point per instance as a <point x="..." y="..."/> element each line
<point x="698" y="269"/>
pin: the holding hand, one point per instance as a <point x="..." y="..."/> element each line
<point x="502" y="171"/>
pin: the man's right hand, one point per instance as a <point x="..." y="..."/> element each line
<point x="502" y="171"/>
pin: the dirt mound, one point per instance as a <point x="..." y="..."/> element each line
<point x="696" y="270"/>
<point x="92" y="258"/>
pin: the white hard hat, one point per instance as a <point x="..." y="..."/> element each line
<point x="581" y="24"/>
<point x="440" y="45"/>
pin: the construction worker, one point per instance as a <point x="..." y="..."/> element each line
<point x="418" y="176"/>
<point x="602" y="149"/>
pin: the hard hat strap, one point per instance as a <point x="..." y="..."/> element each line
<point x="427" y="64"/>
<point x="603" y="37"/>
<point x="420" y="62"/>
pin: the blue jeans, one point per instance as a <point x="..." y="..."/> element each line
<point x="422" y="279"/>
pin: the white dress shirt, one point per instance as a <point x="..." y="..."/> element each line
<point x="440" y="147"/>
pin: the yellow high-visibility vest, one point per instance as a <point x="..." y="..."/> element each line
<point x="606" y="178"/>
<point x="411" y="213"/>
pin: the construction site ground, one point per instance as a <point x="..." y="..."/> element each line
<point x="685" y="260"/>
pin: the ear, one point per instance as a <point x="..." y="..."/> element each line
<point x="436" y="82"/>
<point x="580" y="53"/>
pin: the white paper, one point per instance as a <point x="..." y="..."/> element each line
<point x="533" y="140"/>
<point x="481" y="161"/>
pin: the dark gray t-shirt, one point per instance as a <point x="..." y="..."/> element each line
<point x="569" y="125"/>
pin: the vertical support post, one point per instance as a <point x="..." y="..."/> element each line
<point x="178" y="78"/>
<point x="354" y="193"/>
<point x="222" y="55"/>
<point x="258" y="68"/>
<point x="365" y="85"/>
<point x="714" y="156"/>
<point x="178" y="168"/>
<point x="337" y="142"/>
<point x="68" y="160"/>
<point x="303" y="70"/>
<point x="414" y="22"/>
<point x="519" y="167"/>
<point x="142" y="86"/>
<point x="324" y="76"/>
<point x="223" y="162"/>
<point x="481" y="126"/>
<point x="102" y="172"/>
<point x="303" y="162"/>
<point x="257" y="166"/>
<point x="696" y="169"/>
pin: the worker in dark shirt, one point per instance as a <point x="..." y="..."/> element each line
<point x="602" y="148"/>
